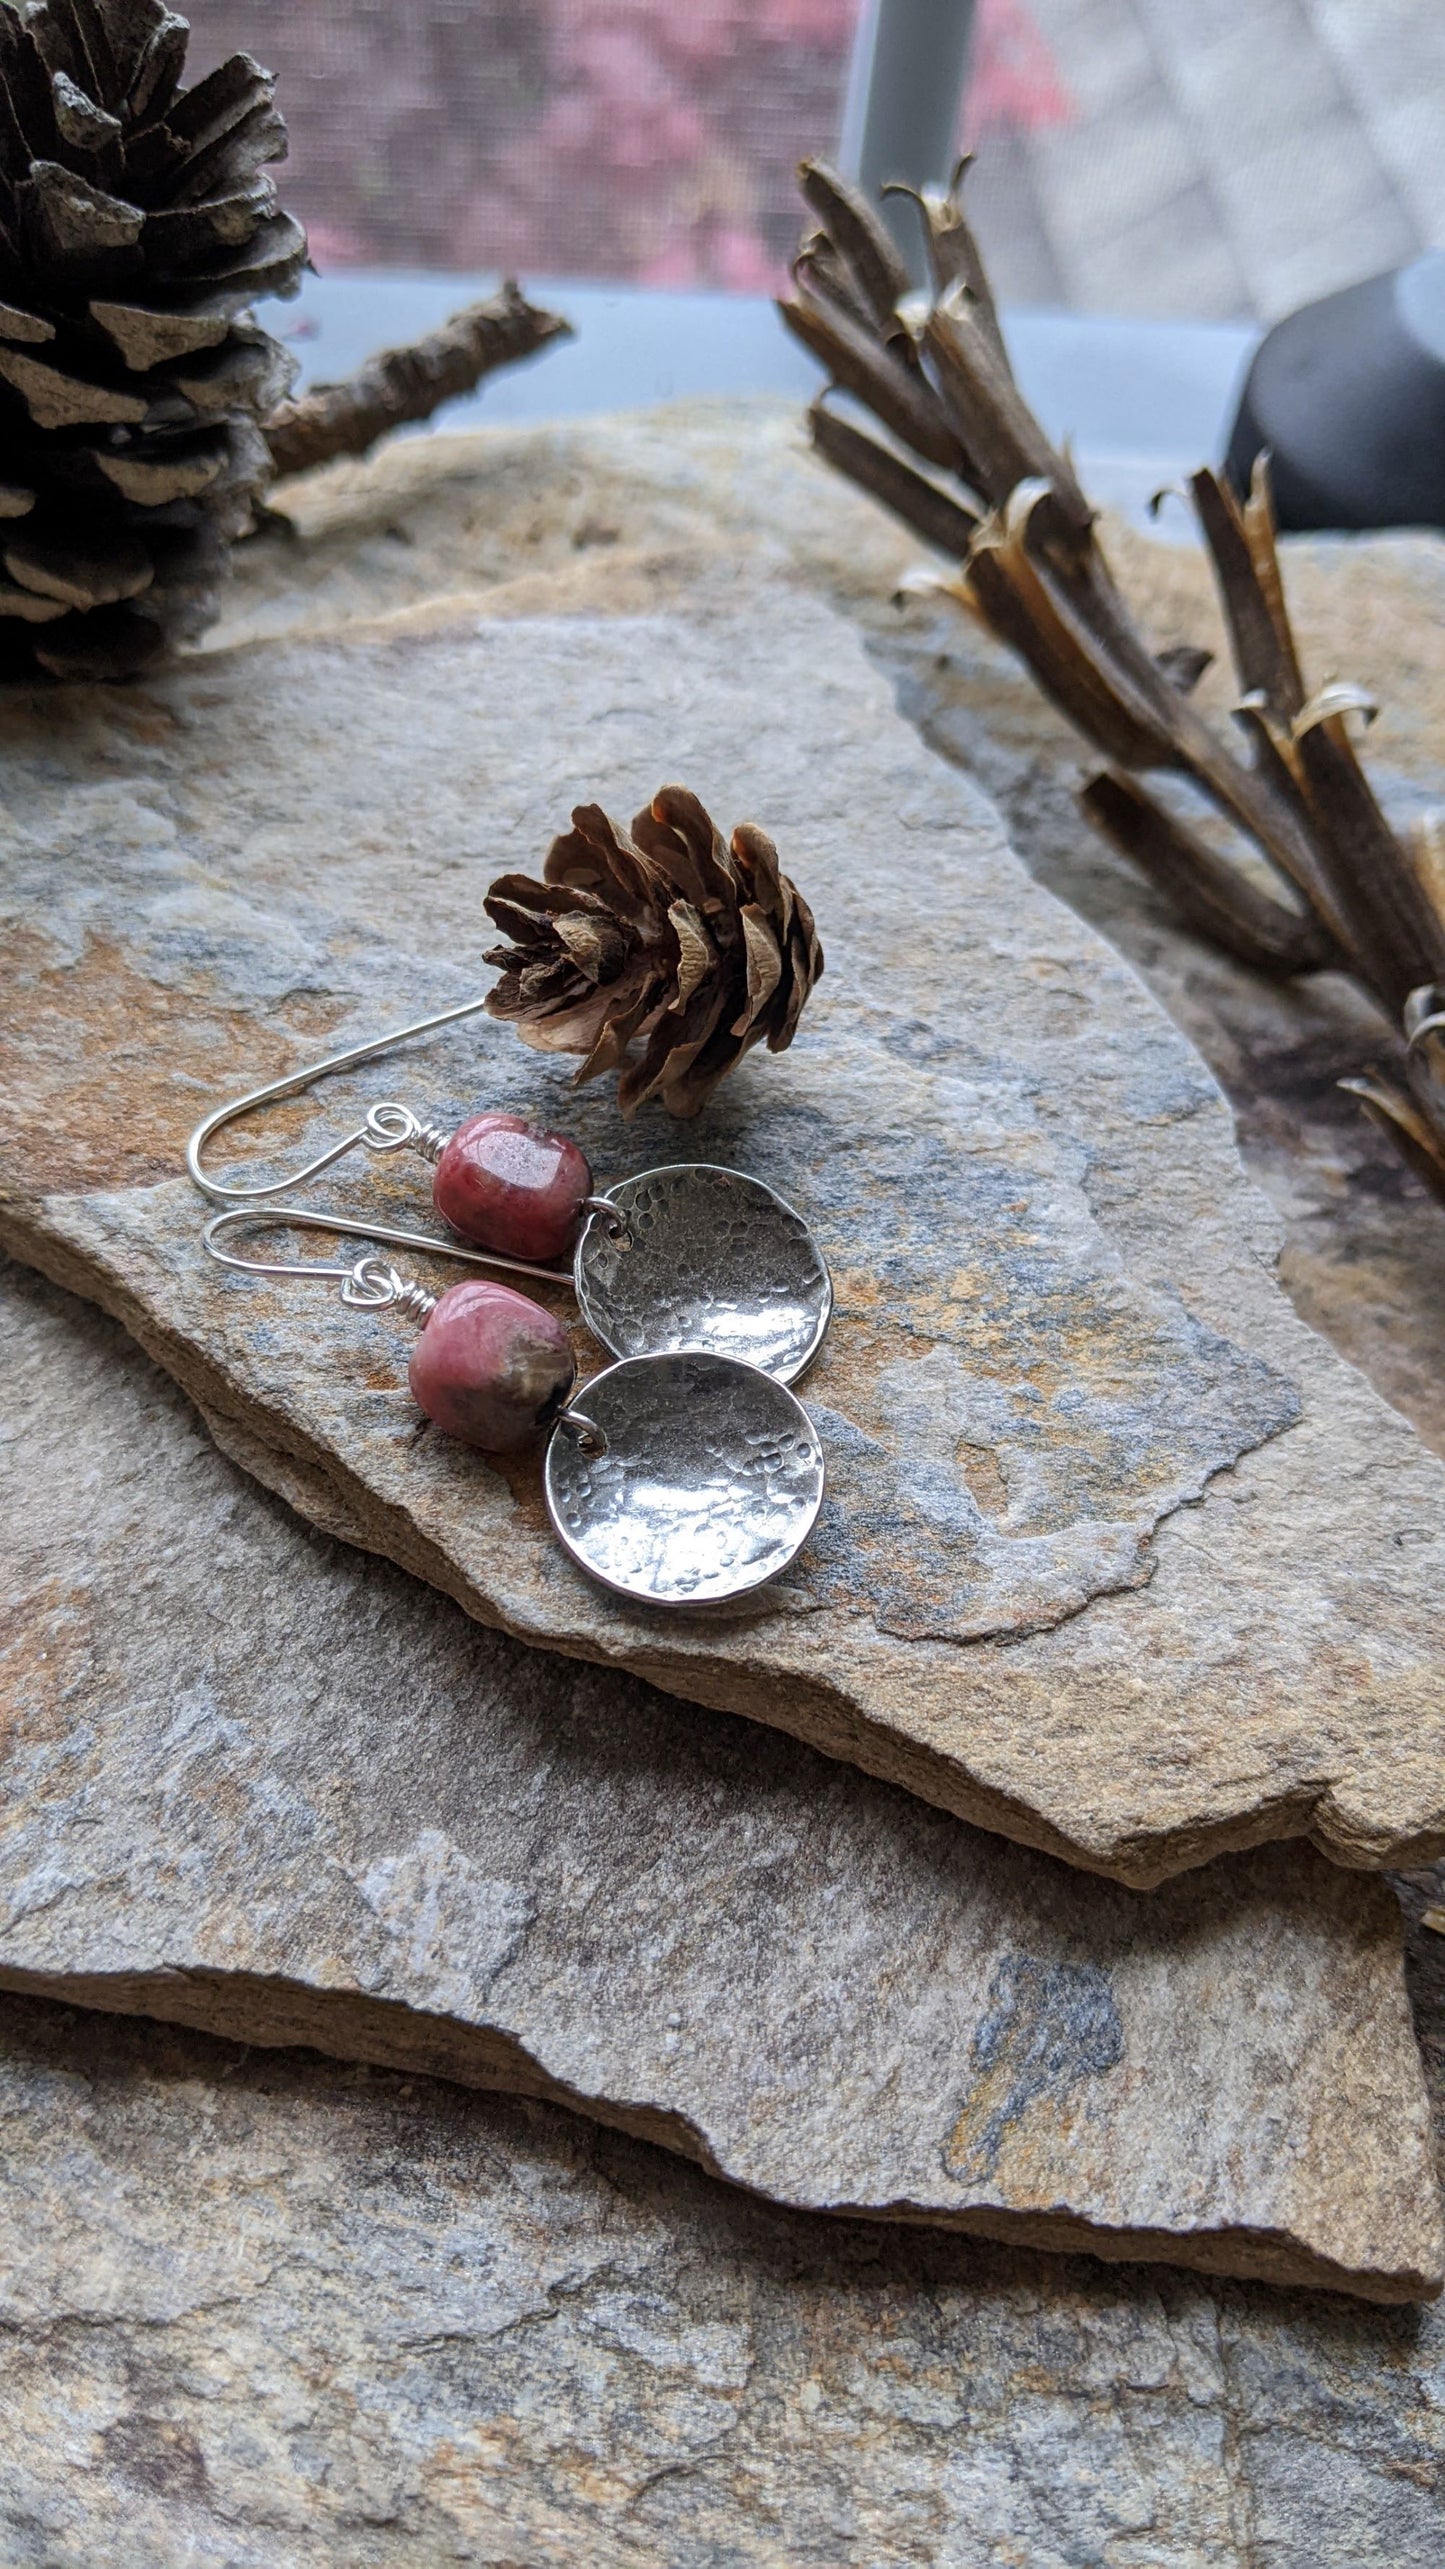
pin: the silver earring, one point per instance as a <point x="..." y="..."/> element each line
<point x="682" y="1258"/>
<point x="684" y="1476"/>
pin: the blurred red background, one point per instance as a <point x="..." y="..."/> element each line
<point x="637" y="139"/>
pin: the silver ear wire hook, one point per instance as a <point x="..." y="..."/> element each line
<point x="299" y="1217"/>
<point x="368" y="1284"/>
<point x="387" y="1128"/>
<point x="371" y="1283"/>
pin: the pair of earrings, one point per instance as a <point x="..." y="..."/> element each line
<point x="687" y="1472"/>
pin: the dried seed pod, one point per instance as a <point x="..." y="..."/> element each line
<point x="1351" y="891"/>
<point x="136" y="227"/>
<point x="661" y="952"/>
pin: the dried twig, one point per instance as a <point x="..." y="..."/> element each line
<point x="1351" y="893"/>
<point x="405" y="384"/>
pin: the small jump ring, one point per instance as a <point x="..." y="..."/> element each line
<point x="613" y="1222"/>
<point x="584" y="1431"/>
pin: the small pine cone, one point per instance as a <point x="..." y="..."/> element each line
<point x="663" y="942"/>
<point x="136" y="228"/>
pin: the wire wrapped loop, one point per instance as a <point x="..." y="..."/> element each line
<point x="373" y="1285"/>
<point x="393" y="1127"/>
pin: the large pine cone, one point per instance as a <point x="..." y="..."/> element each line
<point x="135" y="228"/>
<point x="662" y="938"/>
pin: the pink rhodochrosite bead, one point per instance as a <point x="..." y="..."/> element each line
<point x="508" y="1187"/>
<point x="490" y="1366"/>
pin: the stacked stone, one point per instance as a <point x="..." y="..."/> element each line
<point x="285" y="1796"/>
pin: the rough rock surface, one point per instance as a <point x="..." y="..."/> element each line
<point x="634" y="512"/>
<point x="265" y="2313"/>
<point x="268" y="1787"/>
<point x="260" y="2312"/>
<point x="1362" y="1239"/>
<point x="1119" y="1559"/>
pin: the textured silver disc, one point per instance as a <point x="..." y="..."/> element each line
<point x="706" y="1480"/>
<point x="704" y="1258"/>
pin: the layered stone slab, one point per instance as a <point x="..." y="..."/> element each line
<point x="638" y="511"/>
<point x="259" y="1784"/>
<point x="262" y="2309"/>
<point x="1119" y="1559"/>
<point x="211" y="2260"/>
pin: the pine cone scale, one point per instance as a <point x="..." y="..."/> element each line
<point x="100" y="57"/>
<point x="663" y="936"/>
<point x="136" y="226"/>
<point x="27" y="327"/>
<point x="156" y="77"/>
<point x="153" y="480"/>
<point x="56" y="400"/>
<point x="102" y="577"/>
<point x="78" y="119"/>
<point x="185" y="236"/>
<point x="764" y="966"/>
<point x="597" y="946"/>
<point x="696" y="953"/>
<point x="77" y="222"/>
<point x="229" y="97"/>
<point x="676" y="1043"/>
<point x="25" y="87"/>
<point x="146" y="337"/>
<point x="29" y="606"/>
<point x="250" y="373"/>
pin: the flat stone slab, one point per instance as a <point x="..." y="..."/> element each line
<point x="1119" y="1559"/>
<point x="262" y="1785"/>
<point x="586" y="2346"/>
<point x="641" y="510"/>
<point x="258" y="2309"/>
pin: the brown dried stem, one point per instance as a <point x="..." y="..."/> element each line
<point x="406" y="384"/>
<point x="1351" y="893"/>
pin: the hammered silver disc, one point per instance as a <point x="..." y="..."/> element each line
<point x="707" y="1481"/>
<point x="709" y="1259"/>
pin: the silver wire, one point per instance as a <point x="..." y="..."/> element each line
<point x="616" y="1228"/>
<point x="299" y="1217"/>
<point x="584" y="1431"/>
<point x="368" y="1284"/>
<point x="373" y="1134"/>
<point x="374" y="1286"/>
